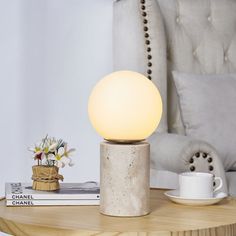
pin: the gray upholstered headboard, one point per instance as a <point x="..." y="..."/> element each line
<point x="155" y="37"/>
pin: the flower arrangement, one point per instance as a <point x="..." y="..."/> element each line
<point x="52" y="152"/>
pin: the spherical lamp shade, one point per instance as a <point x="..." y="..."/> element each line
<point x="125" y="106"/>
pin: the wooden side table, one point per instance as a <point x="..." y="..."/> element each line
<point x="166" y="219"/>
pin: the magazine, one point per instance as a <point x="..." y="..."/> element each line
<point x="51" y="202"/>
<point x="67" y="191"/>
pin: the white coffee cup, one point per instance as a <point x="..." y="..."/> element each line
<point x="196" y="185"/>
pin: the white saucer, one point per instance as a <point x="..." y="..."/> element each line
<point x="173" y="195"/>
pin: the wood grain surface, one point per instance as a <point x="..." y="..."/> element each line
<point x="166" y="219"/>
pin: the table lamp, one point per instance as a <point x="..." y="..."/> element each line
<point x="125" y="108"/>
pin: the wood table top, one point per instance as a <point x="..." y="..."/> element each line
<point x="166" y="219"/>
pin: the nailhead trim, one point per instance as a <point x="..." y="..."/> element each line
<point x="204" y="155"/>
<point x="146" y="35"/>
<point x="209" y="159"/>
<point x="211" y="168"/>
<point x="197" y="154"/>
<point x="191" y="160"/>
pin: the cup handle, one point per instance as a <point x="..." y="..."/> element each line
<point x="220" y="185"/>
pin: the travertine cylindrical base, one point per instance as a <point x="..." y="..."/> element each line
<point x="124" y="179"/>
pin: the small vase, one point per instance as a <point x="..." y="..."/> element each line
<point x="46" y="178"/>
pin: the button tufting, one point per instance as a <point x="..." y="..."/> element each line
<point x="194" y="53"/>
<point x="145" y="28"/>
<point x="149" y="49"/>
<point x="142" y="1"/>
<point x="144" y="13"/>
<point x="177" y="19"/>
<point x="149" y="64"/>
<point x="143" y="7"/>
<point x="147" y="42"/>
<point x="209" y="18"/>
<point x="149" y="57"/>
<point x="226" y="58"/>
<point x="149" y="72"/>
<point x="146" y="35"/>
<point x="149" y="77"/>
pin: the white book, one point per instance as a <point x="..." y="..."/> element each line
<point x="57" y="202"/>
<point x="67" y="191"/>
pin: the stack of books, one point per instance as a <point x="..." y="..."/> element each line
<point x="22" y="194"/>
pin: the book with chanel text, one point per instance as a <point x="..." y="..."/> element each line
<point x="67" y="191"/>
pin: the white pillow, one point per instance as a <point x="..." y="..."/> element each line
<point x="208" y="110"/>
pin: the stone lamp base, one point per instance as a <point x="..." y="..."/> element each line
<point x="124" y="179"/>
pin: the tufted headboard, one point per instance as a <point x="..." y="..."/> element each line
<point x="155" y="37"/>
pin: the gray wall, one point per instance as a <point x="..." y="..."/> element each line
<point x="52" y="52"/>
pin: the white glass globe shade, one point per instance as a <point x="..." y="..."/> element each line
<point x="125" y="106"/>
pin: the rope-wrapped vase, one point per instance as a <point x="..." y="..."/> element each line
<point x="46" y="178"/>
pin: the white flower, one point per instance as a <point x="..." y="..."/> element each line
<point x="64" y="161"/>
<point x="60" y="158"/>
<point x="52" y="152"/>
<point x="67" y="152"/>
<point x="53" y="146"/>
<point x="50" y="148"/>
<point x="38" y="152"/>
